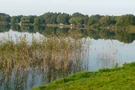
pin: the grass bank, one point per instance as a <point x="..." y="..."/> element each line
<point x="118" y="78"/>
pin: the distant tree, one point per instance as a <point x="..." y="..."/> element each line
<point x="16" y="19"/>
<point x="50" y="18"/>
<point x="63" y="18"/>
<point x="39" y="21"/>
<point x="94" y="19"/>
<point x="53" y="18"/>
<point x="77" y="14"/>
<point x="28" y="19"/>
<point x="86" y="18"/>
<point x="4" y="17"/>
<point x="126" y="20"/>
<point x="78" y="19"/>
<point x="107" y="20"/>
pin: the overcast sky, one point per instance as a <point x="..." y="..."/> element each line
<point x="38" y="7"/>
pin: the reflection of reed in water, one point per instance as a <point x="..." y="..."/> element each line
<point x="22" y="64"/>
<point x="107" y="59"/>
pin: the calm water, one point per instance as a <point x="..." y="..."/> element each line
<point x="106" y="53"/>
<point x="102" y="52"/>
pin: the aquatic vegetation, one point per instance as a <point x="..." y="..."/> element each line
<point x="12" y="53"/>
<point x="55" y="57"/>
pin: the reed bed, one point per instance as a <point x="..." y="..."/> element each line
<point x="54" y="57"/>
<point x="38" y="53"/>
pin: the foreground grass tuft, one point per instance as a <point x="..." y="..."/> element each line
<point x="118" y="78"/>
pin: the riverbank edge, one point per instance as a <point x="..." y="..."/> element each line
<point x="117" y="78"/>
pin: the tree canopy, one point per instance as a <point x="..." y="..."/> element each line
<point x="77" y="19"/>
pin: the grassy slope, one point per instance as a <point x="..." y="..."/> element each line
<point x="122" y="78"/>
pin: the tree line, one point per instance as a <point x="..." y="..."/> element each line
<point x="76" y="19"/>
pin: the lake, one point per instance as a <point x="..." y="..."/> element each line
<point x="101" y="49"/>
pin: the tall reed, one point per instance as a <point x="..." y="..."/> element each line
<point x="51" y="50"/>
<point x="55" y="56"/>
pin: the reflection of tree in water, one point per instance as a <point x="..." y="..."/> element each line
<point x="107" y="59"/>
<point x="120" y="35"/>
<point x="4" y="27"/>
<point x="126" y="36"/>
<point x="23" y="67"/>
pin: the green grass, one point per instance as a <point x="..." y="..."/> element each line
<point x="118" y="78"/>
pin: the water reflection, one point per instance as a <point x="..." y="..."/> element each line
<point x="27" y="67"/>
<point x="27" y="78"/>
<point x="126" y="36"/>
<point x="108" y="53"/>
<point x="4" y="27"/>
<point x="17" y="36"/>
<point x="24" y="66"/>
<point x="107" y="59"/>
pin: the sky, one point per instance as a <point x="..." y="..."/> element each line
<point x="89" y="7"/>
